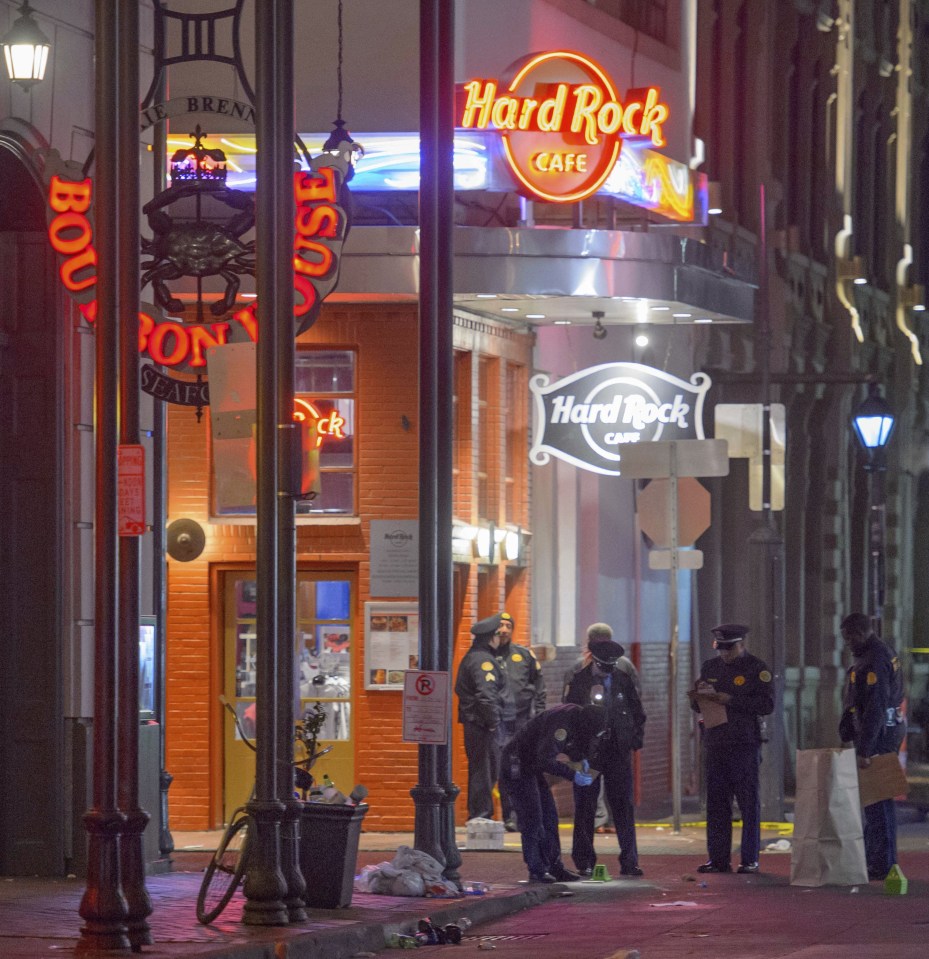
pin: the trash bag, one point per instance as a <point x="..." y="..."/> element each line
<point x="411" y="873"/>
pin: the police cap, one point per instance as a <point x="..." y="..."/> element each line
<point x="486" y="627"/>
<point x="605" y="651"/>
<point x="728" y="634"/>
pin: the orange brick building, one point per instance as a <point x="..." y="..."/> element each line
<point x="211" y="770"/>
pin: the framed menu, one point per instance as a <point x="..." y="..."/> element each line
<point x="391" y="643"/>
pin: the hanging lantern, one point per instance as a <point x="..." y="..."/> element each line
<point x="25" y="49"/>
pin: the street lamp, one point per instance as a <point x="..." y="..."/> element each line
<point x="25" y="49"/>
<point x="874" y="423"/>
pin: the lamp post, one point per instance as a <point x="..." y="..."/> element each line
<point x="874" y="422"/>
<point x="25" y="49"/>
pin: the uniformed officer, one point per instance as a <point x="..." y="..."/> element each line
<point x="523" y="698"/>
<point x="479" y="686"/>
<point x="873" y="722"/>
<point x="741" y="683"/>
<point x="603" y="681"/>
<point x="567" y="730"/>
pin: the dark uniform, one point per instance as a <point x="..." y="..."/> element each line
<point x="624" y="734"/>
<point x="533" y="751"/>
<point x="733" y="751"/>
<point x="479" y="687"/>
<point x="523" y="698"/>
<point x="872" y="721"/>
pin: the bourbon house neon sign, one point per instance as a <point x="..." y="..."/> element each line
<point x="319" y="224"/>
<point x="561" y="122"/>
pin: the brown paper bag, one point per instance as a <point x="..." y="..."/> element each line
<point x="883" y="779"/>
<point x="828" y="843"/>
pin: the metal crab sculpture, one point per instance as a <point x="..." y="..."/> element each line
<point x="199" y="238"/>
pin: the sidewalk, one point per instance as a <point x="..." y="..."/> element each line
<point x="39" y="918"/>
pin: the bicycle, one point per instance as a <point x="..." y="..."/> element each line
<point x="229" y="863"/>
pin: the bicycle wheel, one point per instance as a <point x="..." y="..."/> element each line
<point x="225" y="871"/>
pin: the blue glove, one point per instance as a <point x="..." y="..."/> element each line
<point x="582" y="779"/>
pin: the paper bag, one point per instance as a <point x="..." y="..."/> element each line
<point x="883" y="779"/>
<point x="714" y="714"/>
<point x="828" y="845"/>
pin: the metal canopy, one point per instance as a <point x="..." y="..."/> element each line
<point x="542" y="277"/>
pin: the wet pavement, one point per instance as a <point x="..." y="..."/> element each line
<point x="40" y="917"/>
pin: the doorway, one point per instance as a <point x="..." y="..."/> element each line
<point x="324" y="646"/>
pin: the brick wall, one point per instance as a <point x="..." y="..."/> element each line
<point x="386" y="339"/>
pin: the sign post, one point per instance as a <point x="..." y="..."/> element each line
<point x="673" y="460"/>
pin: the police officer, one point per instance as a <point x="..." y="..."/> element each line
<point x="567" y="730"/>
<point x="741" y="683"/>
<point x="524" y="697"/>
<point x="873" y="723"/>
<point x="479" y="686"/>
<point x="601" y="681"/>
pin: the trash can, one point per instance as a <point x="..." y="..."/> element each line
<point x="329" y="837"/>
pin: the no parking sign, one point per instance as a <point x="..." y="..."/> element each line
<point x="425" y="707"/>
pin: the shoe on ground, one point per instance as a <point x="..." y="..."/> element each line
<point x="631" y="871"/>
<point x="563" y="874"/>
<point x="748" y="867"/>
<point x="542" y="877"/>
<point x="510" y="825"/>
<point x="714" y="867"/>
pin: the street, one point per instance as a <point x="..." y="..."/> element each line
<point x="675" y="913"/>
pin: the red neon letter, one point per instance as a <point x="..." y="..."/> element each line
<point x="200" y="339"/>
<point x="311" y="267"/>
<point x="310" y="222"/>
<point x="312" y="188"/>
<point x="66" y="195"/>
<point x="69" y="221"/>
<point x="181" y="344"/>
<point x="68" y="269"/>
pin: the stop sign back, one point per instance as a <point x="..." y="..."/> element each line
<point x="693" y="511"/>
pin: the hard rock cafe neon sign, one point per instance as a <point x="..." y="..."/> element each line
<point x="320" y="227"/>
<point x="561" y="122"/>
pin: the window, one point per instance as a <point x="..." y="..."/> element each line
<point x="325" y="381"/>
<point x="324" y="389"/>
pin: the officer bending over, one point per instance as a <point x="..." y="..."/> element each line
<point x="567" y="730"/>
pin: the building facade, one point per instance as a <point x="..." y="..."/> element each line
<point x="804" y="121"/>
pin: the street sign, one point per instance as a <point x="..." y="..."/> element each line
<point x="130" y="464"/>
<point x="741" y="424"/>
<point x="686" y="559"/>
<point x="693" y="511"/>
<point x="691" y="458"/>
<point x="425" y="707"/>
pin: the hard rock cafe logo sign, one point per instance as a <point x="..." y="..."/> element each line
<point x="561" y="122"/>
<point x="587" y="417"/>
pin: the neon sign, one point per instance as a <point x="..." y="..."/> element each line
<point x="320" y="228"/>
<point x="332" y="425"/>
<point x="561" y="122"/>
